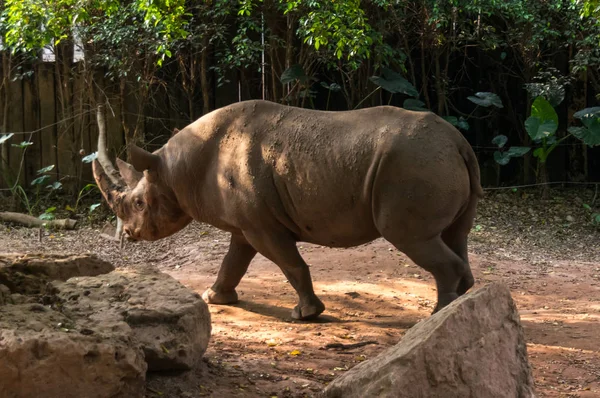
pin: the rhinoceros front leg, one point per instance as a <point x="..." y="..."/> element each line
<point x="234" y="266"/>
<point x="282" y="251"/>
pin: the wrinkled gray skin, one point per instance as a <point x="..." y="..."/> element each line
<point x="274" y="175"/>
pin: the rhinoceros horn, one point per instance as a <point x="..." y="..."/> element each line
<point x="113" y="189"/>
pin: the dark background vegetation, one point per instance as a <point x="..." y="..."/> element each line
<point x="160" y="65"/>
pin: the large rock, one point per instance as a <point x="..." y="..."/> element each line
<point x="95" y="336"/>
<point x="170" y="322"/>
<point x="40" y="356"/>
<point x="29" y="273"/>
<point x="472" y="348"/>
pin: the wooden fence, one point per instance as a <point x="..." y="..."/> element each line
<point x="62" y="131"/>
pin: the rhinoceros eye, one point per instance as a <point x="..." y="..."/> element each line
<point x="139" y="204"/>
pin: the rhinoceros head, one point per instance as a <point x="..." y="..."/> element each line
<point x="141" y="198"/>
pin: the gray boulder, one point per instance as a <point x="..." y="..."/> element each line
<point x="93" y="336"/>
<point x="474" y="347"/>
<point x="42" y="354"/>
<point x="170" y="322"/>
<point x="29" y="273"/>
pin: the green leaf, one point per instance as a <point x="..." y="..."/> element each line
<point x="5" y="137"/>
<point x="293" y="73"/>
<point x="332" y="87"/>
<point x="45" y="169"/>
<point x="590" y="135"/>
<point x="500" y="140"/>
<point x="486" y="99"/>
<point x="40" y="180"/>
<point x="517" y="151"/>
<point x="502" y="158"/>
<point x="542" y="109"/>
<point x="394" y="83"/>
<point x="55" y="186"/>
<point x="94" y="207"/>
<point x="538" y="130"/>
<point x="414" y="105"/>
<point x="585" y="113"/>
<point x="90" y="158"/>
<point x="87" y="188"/>
<point x="453" y="120"/>
<point x="51" y="209"/>
<point x="539" y="153"/>
<point x="46" y="216"/>
<point x="463" y="124"/>
<point x="23" y="144"/>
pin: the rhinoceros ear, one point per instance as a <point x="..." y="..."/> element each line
<point x="175" y="131"/>
<point x="143" y="160"/>
<point x="130" y="175"/>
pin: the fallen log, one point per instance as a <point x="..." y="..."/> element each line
<point x="30" y="221"/>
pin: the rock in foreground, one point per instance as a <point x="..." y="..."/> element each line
<point x="475" y="347"/>
<point x="96" y="336"/>
<point x="29" y="273"/>
<point x="41" y="357"/>
<point x="169" y="321"/>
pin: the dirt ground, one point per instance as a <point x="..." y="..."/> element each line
<point x="547" y="252"/>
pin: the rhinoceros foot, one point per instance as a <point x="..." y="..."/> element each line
<point x="444" y="300"/>
<point x="308" y="311"/>
<point x="212" y="297"/>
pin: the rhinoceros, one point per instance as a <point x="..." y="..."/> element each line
<point x="274" y="175"/>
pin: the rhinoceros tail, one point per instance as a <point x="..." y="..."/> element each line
<point x="473" y="168"/>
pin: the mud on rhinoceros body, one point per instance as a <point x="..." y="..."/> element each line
<point x="273" y="175"/>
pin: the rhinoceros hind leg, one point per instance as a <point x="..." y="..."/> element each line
<point x="234" y="266"/>
<point x="445" y="265"/>
<point x="455" y="237"/>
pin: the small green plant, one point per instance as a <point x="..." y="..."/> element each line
<point x="333" y="87"/>
<point x="393" y="83"/>
<point x="48" y="214"/>
<point x="595" y="217"/>
<point x="542" y="127"/>
<point x="486" y="99"/>
<point x="83" y="192"/>
<point x="301" y="83"/>
<point x="503" y="155"/>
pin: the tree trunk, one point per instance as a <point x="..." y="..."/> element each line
<point x="204" y="76"/>
<point x="543" y="179"/>
<point x="5" y="98"/>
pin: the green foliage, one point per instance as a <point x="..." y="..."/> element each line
<point x="486" y="100"/>
<point x="394" y="83"/>
<point x="541" y="127"/>
<point x="594" y="216"/>
<point x="83" y="192"/>
<point x="501" y="156"/>
<point x="414" y="105"/>
<point x="590" y="132"/>
<point x="48" y="214"/>
<point x="30" y="25"/>
<point x="23" y="144"/>
<point x="294" y="74"/>
<point x="459" y="122"/>
<point x="340" y="27"/>
<point x="90" y="158"/>
<point x="5" y="137"/>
